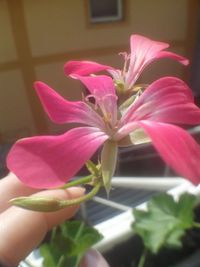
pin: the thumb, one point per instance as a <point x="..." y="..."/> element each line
<point x="24" y="229"/>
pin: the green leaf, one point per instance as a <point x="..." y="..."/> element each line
<point x="68" y="244"/>
<point x="80" y="237"/>
<point x="49" y="257"/>
<point x="165" y="221"/>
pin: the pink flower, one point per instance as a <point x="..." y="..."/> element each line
<point x="49" y="161"/>
<point x="143" y="52"/>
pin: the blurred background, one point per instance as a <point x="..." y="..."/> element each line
<point x="39" y="36"/>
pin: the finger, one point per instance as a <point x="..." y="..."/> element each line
<point x="22" y="230"/>
<point x="11" y="187"/>
<point x="93" y="258"/>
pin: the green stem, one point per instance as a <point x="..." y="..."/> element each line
<point x="142" y="259"/>
<point x="79" y="232"/>
<point x="70" y="202"/>
<point x="78" y="259"/>
<point x="60" y="262"/>
<point x="83" y="180"/>
<point x="195" y="224"/>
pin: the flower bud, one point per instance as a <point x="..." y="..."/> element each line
<point x="45" y="204"/>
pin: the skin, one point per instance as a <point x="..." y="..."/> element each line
<point x="22" y="230"/>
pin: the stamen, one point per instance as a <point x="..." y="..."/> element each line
<point x="83" y="97"/>
<point x="125" y="55"/>
<point x="126" y="62"/>
<point x="107" y="117"/>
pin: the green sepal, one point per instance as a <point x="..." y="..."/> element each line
<point x="136" y="137"/>
<point x="124" y="106"/>
<point x="108" y="163"/>
<point x="119" y="87"/>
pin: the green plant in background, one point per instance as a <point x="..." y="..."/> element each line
<point x="164" y="222"/>
<point x="68" y="243"/>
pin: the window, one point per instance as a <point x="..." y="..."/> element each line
<point x="105" y="10"/>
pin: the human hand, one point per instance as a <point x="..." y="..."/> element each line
<point x="22" y="230"/>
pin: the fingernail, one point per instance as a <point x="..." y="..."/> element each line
<point x="77" y="190"/>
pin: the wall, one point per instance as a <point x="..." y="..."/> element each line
<point x="38" y="36"/>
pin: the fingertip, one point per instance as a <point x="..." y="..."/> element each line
<point x="75" y="192"/>
<point x="54" y="218"/>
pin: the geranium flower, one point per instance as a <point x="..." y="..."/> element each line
<point x="143" y="52"/>
<point x="49" y="161"/>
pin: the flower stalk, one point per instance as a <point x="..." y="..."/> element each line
<point x="76" y="201"/>
<point x="142" y="259"/>
<point x="84" y="180"/>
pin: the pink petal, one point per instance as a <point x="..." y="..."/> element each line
<point x="98" y="85"/>
<point x="125" y="130"/>
<point x="177" y="148"/>
<point x="116" y="75"/>
<point x="144" y="51"/>
<point x="62" y="111"/>
<point x="169" y="100"/>
<point x="83" y="68"/>
<point x="167" y="54"/>
<point x="50" y="161"/>
<point x="102" y="89"/>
